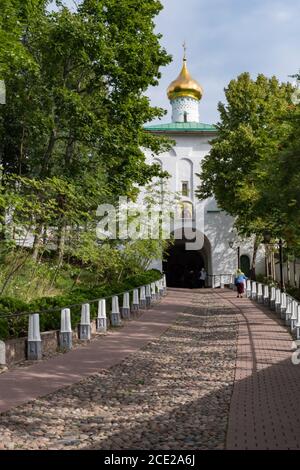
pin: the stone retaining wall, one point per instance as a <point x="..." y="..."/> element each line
<point x="13" y="351"/>
<point x="16" y="349"/>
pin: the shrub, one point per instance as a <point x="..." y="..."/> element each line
<point x="16" y="326"/>
<point x="294" y="292"/>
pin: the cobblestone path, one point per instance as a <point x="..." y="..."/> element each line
<point x="173" y="394"/>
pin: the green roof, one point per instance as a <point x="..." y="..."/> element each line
<point x="181" y="127"/>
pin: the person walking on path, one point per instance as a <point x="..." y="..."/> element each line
<point x="240" y="279"/>
<point x="202" y="278"/>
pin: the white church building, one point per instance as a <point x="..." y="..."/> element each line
<point x="222" y="251"/>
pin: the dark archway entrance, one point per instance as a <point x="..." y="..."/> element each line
<point x="183" y="267"/>
<point x="245" y="264"/>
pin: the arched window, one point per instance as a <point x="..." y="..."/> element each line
<point x="186" y="210"/>
<point x="185" y="175"/>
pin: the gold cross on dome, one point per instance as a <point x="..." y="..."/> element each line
<point x="184" y="48"/>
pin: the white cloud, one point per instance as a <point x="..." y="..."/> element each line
<point x="226" y="38"/>
<point x="282" y="16"/>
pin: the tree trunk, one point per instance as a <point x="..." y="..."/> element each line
<point x="37" y="243"/>
<point x="273" y="266"/>
<point x="288" y="268"/>
<point x="76" y="280"/>
<point x="266" y="261"/>
<point x="48" y="153"/>
<point x="255" y="250"/>
<point x="12" y="272"/>
<point x="61" y="244"/>
<point x="45" y="236"/>
<point x="3" y="230"/>
<point x="69" y="150"/>
<point x="21" y="154"/>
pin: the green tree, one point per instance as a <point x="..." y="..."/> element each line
<point x="14" y="16"/>
<point x="78" y="113"/>
<point x="284" y="176"/>
<point x="250" y="134"/>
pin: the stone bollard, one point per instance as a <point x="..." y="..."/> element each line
<point x="135" y="301"/>
<point x="34" y="343"/>
<point x="294" y="316"/>
<point x="277" y="300"/>
<point x="164" y="284"/>
<point x="272" y="298"/>
<point x="298" y="324"/>
<point x="157" y="290"/>
<point x="248" y="289"/>
<point x="125" y="311"/>
<point x="85" y="323"/>
<point x="115" y="312"/>
<point x="65" y="334"/>
<point x="161" y="288"/>
<point x="260" y="296"/>
<point x="266" y="295"/>
<point x="254" y="290"/>
<point x="288" y="312"/>
<point x="148" y="296"/>
<point x="2" y="353"/>
<point x="283" y="305"/>
<point x="231" y="284"/>
<point x="222" y="283"/>
<point x="153" y="292"/>
<point x="143" y="298"/>
<point x="101" y="322"/>
<point x="157" y="287"/>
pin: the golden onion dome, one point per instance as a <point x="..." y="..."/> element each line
<point x="184" y="86"/>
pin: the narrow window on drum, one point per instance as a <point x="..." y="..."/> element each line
<point x="185" y="188"/>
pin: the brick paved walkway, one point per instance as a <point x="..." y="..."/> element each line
<point x="265" y="406"/>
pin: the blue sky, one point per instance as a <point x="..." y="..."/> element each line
<point x="224" y="39"/>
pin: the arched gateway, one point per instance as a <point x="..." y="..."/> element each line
<point x="182" y="266"/>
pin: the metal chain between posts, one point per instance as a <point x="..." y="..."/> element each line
<point x="58" y="309"/>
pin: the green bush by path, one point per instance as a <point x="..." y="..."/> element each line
<point x="16" y="327"/>
<point x="294" y="292"/>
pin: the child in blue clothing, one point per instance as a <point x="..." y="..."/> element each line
<point x="239" y="281"/>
